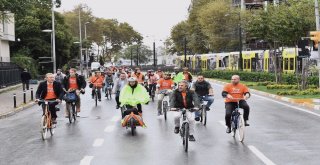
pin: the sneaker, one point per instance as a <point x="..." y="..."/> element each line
<point x="191" y="138"/>
<point x="207" y="109"/>
<point x="106" y="95"/>
<point x="176" y="130"/>
<point x="246" y="123"/>
<point x="99" y="99"/>
<point x="228" y="130"/>
<point x="117" y="107"/>
<point x="159" y="113"/>
<point x="197" y="118"/>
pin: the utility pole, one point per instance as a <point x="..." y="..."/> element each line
<point x="316" y="5"/>
<point x="81" y="68"/>
<point x="53" y="40"/>
<point x="137" y="55"/>
<point x="185" y="52"/>
<point x="240" y="44"/>
<point x="154" y="56"/>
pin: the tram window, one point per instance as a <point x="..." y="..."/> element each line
<point x="291" y="63"/>
<point x="286" y="64"/>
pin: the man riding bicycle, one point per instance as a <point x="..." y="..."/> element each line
<point x="108" y="82"/>
<point x="164" y="86"/>
<point x="152" y="81"/>
<point x="134" y="94"/>
<point x="138" y="75"/>
<point x="97" y="81"/>
<point x="204" y="91"/>
<point x="74" y="82"/>
<point x="232" y="92"/>
<point x="50" y="90"/>
<point x="184" y="98"/>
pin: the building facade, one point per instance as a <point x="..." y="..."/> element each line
<point x="7" y="34"/>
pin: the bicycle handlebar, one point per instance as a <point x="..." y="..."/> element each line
<point x="47" y="101"/>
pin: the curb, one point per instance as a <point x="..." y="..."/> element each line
<point x="277" y="97"/>
<point x="18" y="109"/>
<point x="6" y="89"/>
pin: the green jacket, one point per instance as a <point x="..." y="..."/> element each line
<point x="179" y="77"/>
<point x="139" y="95"/>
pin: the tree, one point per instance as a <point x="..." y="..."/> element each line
<point x="145" y="53"/>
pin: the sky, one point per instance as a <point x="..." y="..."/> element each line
<point x="152" y="18"/>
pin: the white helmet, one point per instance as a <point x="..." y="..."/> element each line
<point x="131" y="79"/>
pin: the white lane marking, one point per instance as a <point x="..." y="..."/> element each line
<point x="261" y="156"/>
<point x="115" y="118"/>
<point x="294" y="107"/>
<point x="109" y="128"/>
<point x="86" y="160"/>
<point x="222" y="123"/>
<point x="98" y="142"/>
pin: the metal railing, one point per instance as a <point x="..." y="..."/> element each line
<point x="9" y="74"/>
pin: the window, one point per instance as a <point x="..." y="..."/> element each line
<point x="291" y="64"/>
<point x="286" y="64"/>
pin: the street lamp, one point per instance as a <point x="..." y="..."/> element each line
<point x="240" y="41"/>
<point x="80" y="42"/>
<point x="85" y="36"/>
<point x="50" y="31"/>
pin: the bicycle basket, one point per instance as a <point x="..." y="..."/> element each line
<point x="70" y="97"/>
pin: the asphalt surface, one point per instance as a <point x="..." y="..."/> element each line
<point x="278" y="134"/>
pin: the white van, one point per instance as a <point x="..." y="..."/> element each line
<point x="95" y="65"/>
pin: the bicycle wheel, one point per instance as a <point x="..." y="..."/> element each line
<point x="165" y="109"/>
<point x="202" y="109"/>
<point x="96" y="98"/>
<point x="240" y="128"/>
<point x="186" y="136"/>
<point x="43" y="126"/>
<point x="74" y="112"/>
<point x="70" y="111"/>
<point x="110" y="94"/>
<point x="204" y="116"/>
<point x="132" y="125"/>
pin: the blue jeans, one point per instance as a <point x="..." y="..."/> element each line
<point x="209" y="100"/>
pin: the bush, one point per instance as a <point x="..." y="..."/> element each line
<point x="263" y="77"/>
<point x="282" y="87"/>
<point x="26" y="62"/>
<point x="298" y="92"/>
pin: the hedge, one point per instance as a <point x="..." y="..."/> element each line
<point x="264" y="77"/>
<point x="298" y="92"/>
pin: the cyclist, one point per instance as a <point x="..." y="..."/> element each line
<point x="175" y="73"/>
<point x="152" y="81"/>
<point x="50" y="90"/>
<point x="59" y="76"/>
<point x="118" y="86"/>
<point x="205" y="92"/>
<point x="164" y="86"/>
<point x="184" y="75"/>
<point x="134" y="94"/>
<point x="184" y="98"/>
<point x="138" y="75"/>
<point x="74" y="82"/>
<point x="231" y="92"/>
<point x="97" y="81"/>
<point x="108" y="81"/>
<point x="160" y="73"/>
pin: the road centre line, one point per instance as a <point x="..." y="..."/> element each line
<point x="98" y="142"/>
<point x="86" y="160"/>
<point x="109" y="129"/>
<point x="260" y="155"/>
<point x="294" y="107"/>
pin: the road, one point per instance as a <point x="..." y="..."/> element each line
<point x="279" y="134"/>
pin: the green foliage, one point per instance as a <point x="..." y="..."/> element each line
<point x="144" y="53"/>
<point x="261" y="77"/>
<point x="298" y="92"/>
<point x="24" y="61"/>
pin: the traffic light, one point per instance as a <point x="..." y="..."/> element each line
<point x="315" y="37"/>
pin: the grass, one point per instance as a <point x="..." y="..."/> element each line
<point x="253" y="85"/>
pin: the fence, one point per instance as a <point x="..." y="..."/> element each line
<point x="9" y="74"/>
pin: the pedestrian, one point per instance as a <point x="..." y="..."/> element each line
<point x="25" y="78"/>
<point x="59" y="76"/>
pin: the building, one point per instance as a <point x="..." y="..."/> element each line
<point x="7" y="34"/>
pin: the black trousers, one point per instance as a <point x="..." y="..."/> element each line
<point x="230" y="107"/>
<point x="52" y="109"/>
<point x="117" y="98"/>
<point x="25" y="84"/>
<point x="99" y="92"/>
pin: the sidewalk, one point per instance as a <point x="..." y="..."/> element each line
<point x="299" y="102"/>
<point x="6" y="99"/>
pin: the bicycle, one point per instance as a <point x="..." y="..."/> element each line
<point x="184" y="128"/>
<point x="237" y="123"/>
<point x="203" y="111"/>
<point x="71" y="99"/>
<point x="131" y="118"/>
<point x="165" y="103"/>
<point x="153" y="91"/>
<point x="95" y="95"/>
<point x="47" y="124"/>
<point x="108" y="91"/>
